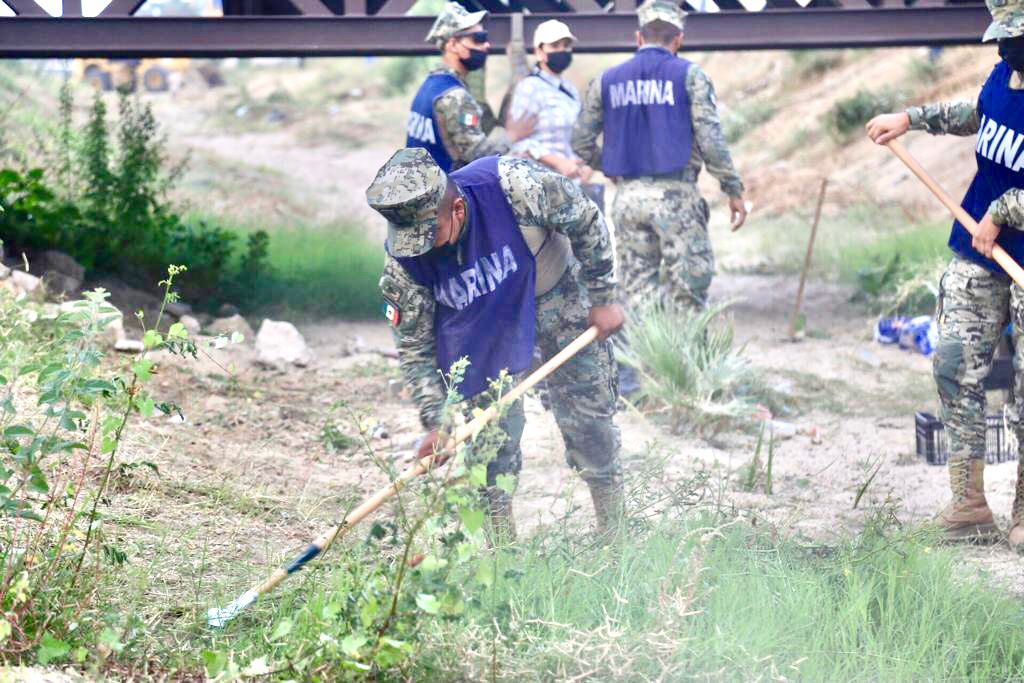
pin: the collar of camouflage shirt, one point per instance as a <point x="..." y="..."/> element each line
<point x="441" y="67"/>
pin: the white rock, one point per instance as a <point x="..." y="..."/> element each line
<point x="235" y="323"/>
<point x="5" y="272"/>
<point x="279" y="343"/>
<point x="28" y="283"/>
<point x="192" y="325"/>
<point x="129" y="346"/>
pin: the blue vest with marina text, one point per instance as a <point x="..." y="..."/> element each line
<point x="422" y="130"/>
<point x="483" y="286"/>
<point x="647" y="127"/>
<point x="1000" y="153"/>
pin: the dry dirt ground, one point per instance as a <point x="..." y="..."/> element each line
<point x="247" y="479"/>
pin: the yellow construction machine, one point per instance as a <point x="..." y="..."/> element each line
<point x="153" y="75"/>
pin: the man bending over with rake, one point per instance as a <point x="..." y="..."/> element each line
<point x="486" y="263"/>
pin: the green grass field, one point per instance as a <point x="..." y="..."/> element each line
<point x="316" y="271"/>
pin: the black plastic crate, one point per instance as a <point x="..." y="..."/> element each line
<point x="930" y="435"/>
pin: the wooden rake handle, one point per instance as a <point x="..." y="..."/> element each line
<point x="999" y="254"/>
<point x="462" y="434"/>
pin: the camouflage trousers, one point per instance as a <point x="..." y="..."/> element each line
<point x="661" y="234"/>
<point x="582" y="392"/>
<point x="974" y="307"/>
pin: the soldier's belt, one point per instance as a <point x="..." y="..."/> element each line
<point x="685" y="175"/>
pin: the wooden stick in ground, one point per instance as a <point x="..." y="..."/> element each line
<point x="807" y="261"/>
<point x="217" y="617"/>
<point x="999" y="254"/>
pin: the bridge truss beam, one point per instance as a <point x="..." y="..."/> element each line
<point x="31" y="35"/>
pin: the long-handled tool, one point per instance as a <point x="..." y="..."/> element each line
<point x="999" y="254"/>
<point x="794" y="323"/>
<point x="217" y="617"/>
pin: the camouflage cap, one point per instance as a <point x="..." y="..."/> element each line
<point x="665" y="10"/>
<point x="406" y="192"/>
<point x="452" y="19"/>
<point x="1007" y="19"/>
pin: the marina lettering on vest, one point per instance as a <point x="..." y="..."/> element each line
<point x="421" y="128"/>
<point x="484" y="277"/>
<point x="1000" y="144"/>
<point x="642" y="93"/>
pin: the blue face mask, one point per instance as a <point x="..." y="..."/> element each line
<point x="476" y="60"/>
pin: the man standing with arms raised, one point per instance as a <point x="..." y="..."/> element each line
<point x="446" y="119"/>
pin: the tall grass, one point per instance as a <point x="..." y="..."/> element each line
<point x="690" y="596"/>
<point x="687" y="364"/>
<point x="315" y="271"/>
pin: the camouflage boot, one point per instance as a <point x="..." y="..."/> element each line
<point x="502" y="529"/>
<point x="967" y="517"/>
<point x="1016" y="537"/>
<point x="609" y="510"/>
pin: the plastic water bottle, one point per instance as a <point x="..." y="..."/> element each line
<point x="887" y="330"/>
<point x="920" y="334"/>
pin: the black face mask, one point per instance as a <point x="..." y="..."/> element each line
<point x="559" y="61"/>
<point x="476" y="60"/>
<point x="1012" y="52"/>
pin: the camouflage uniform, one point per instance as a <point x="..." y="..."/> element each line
<point x="468" y="128"/>
<point x="583" y="390"/>
<point x="974" y="306"/>
<point x="661" y="221"/>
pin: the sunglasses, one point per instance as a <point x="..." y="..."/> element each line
<point x="477" y="36"/>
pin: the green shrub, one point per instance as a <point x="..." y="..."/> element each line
<point x="746" y="118"/>
<point x="848" y="116"/>
<point x="110" y="210"/>
<point x="64" y="413"/>
<point x="814" y="63"/>
<point x="688" y="365"/>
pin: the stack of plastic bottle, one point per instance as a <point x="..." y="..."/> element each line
<point x="918" y="334"/>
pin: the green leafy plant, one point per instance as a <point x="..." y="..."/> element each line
<point x="110" y="209"/>
<point x="64" y="412"/>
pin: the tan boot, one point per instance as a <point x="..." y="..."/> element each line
<point x="503" y="523"/>
<point x="968" y="516"/>
<point x="1016" y="536"/>
<point x="609" y="510"/>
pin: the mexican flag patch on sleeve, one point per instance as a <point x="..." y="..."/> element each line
<point x="392" y="313"/>
<point x="470" y="120"/>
